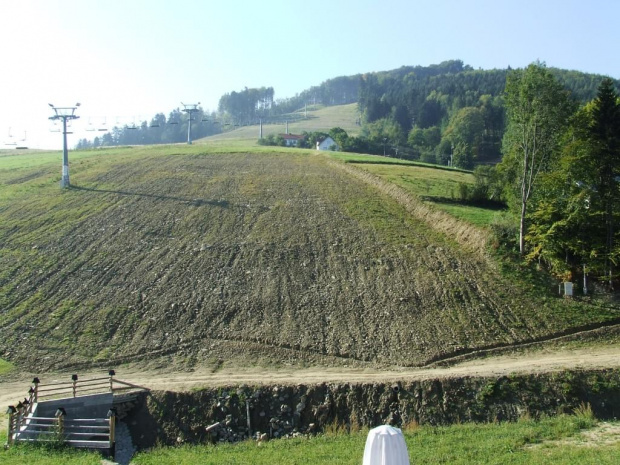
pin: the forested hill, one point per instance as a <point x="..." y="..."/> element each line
<point x="454" y="109"/>
<point x="437" y="113"/>
<point x="413" y="85"/>
<point x="441" y="113"/>
<point x="452" y="83"/>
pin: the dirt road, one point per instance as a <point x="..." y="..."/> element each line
<point x="545" y="361"/>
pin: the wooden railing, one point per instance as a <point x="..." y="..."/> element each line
<point x="94" y="433"/>
<point x="84" y="432"/>
<point x="77" y="387"/>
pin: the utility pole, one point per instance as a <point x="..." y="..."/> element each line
<point x="64" y="113"/>
<point x="190" y="109"/>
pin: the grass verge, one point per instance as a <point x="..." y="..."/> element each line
<point x="5" y="367"/>
<point x="36" y="454"/>
<point x="557" y="441"/>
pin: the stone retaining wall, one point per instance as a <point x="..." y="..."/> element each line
<point x="279" y="411"/>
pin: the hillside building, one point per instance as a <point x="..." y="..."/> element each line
<point x="291" y="140"/>
<point x="326" y="144"/>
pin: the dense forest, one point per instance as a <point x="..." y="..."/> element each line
<point x="447" y="113"/>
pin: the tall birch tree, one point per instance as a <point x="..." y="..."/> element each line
<point x="538" y="108"/>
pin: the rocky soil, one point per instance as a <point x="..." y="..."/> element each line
<point x="256" y="258"/>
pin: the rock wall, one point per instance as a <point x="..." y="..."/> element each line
<point x="278" y="411"/>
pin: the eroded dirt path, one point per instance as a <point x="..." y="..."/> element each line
<point x="546" y="361"/>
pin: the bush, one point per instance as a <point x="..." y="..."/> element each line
<point x="464" y="193"/>
<point x="506" y="232"/>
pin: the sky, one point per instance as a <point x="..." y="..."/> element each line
<point x="126" y="60"/>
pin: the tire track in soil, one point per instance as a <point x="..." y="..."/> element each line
<point x="263" y="250"/>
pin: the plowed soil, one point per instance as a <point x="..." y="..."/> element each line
<point x="256" y="259"/>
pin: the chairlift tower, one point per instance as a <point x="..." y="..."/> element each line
<point x="190" y="109"/>
<point x="64" y="114"/>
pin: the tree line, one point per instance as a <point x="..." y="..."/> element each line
<point x="447" y="113"/>
<point x="560" y="174"/>
<point x="159" y="130"/>
<point x="250" y="105"/>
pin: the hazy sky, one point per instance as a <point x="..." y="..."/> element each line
<point x="129" y="59"/>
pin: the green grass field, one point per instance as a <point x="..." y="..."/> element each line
<point x="559" y="440"/>
<point x="436" y="185"/>
<point x="5" y="367"/>
<point x="321" y="119"/>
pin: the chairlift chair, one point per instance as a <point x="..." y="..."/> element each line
<point x="11" y="140"/>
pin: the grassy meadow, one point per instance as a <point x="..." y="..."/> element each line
<point x="558" y="440"/>
<point x="5" y="367"/>
<point x="319" y="119"/>
<point x="505" y="443"/>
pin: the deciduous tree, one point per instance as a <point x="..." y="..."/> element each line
<point x="538" y="108"/>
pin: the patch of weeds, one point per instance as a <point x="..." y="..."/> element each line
<point x="584" y="416"/>
<point x="6" y="367"/>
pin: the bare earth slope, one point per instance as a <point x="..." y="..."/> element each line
<point x="243" y="256"/>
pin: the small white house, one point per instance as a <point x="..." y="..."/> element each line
<point x="291" y="140"/>
<point x="327" y="144"/>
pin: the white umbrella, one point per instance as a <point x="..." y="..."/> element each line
<point x="385" y="445"/>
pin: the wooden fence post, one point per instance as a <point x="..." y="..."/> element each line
<point x="11" y="431"/>
<point x="20" y="414"/>
<point x="27" y="408"/>
<point x="60" y="415"/>
<point x="112" y="423"/>
<point x="36" y="382"/>
<point x="31" y="398"/>
<point x="74" y="378"/>
<point x="111" y="374"/>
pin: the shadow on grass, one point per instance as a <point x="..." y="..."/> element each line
<point x="486" y="204"/>
<point x="194" y="202"/>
